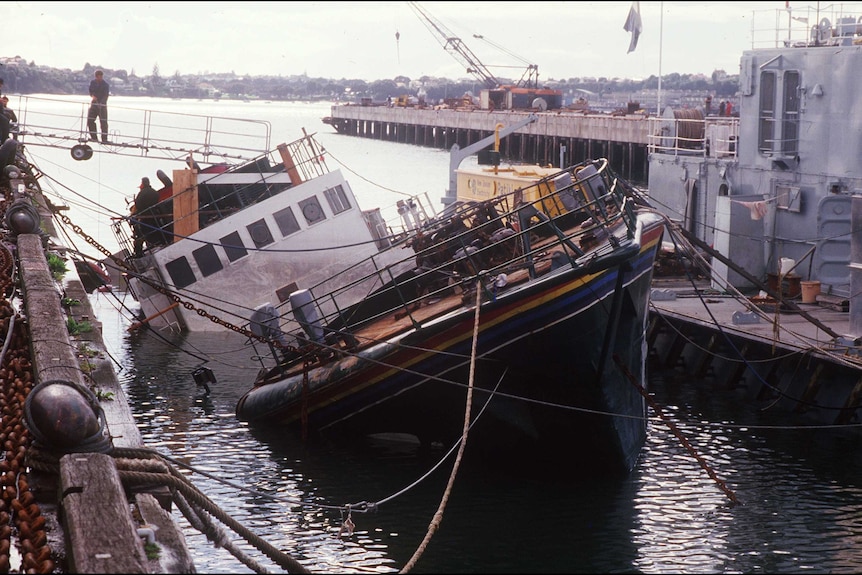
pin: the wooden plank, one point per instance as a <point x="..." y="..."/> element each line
<point x="53" y="357"/>
<point x="100" y="534"/>
<point x="289" y="165"/>
<point x="185" y="200"/>
<point x="168" y="537"/>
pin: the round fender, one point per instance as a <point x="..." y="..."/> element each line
<point x="82" y="152"/>
<point x="163" y="178"/>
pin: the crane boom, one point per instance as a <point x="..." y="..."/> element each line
<point x="456" y="47"/>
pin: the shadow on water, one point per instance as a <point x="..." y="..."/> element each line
<point x="494" y="520"/>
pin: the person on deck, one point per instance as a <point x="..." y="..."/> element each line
<point x="6" y="110"/>
<point x="5" y="120"/>
<point x="99" y="91"/>
<point x="146" y="218"/>
<point x="11" y="116"/>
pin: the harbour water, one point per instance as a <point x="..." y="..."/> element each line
<point x="798" y="490"/>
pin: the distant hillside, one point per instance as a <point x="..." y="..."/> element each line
<point x="22" y="77"/>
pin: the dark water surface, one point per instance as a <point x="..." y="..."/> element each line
<point x="798" y="490"/>
<point x="800" y="507"/>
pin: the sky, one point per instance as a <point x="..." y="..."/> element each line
<point x="382" y="40"/>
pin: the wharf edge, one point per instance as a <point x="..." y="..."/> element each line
<point x="88" y="515"/>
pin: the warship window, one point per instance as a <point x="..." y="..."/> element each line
<point x="260" y="234"/>
<point x="790" y="123"/>
<point x="311" y="210"/>
<point x="766" y="134"/>
<point x="181" y="272"/>
<point x="337" y="199"/>
<point x="788" y="197"/>
<point x="207" y="260"/>
<point x="286" y="221"/>
<point x="233" y="246"/>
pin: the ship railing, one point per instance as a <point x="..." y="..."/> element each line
<point x="710" y="137"/>
<point x="837" y="24"/>
<point x="60" y="123"/>
<point x="478" y="246"/>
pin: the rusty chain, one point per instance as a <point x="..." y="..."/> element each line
<point x="164" y="291"/>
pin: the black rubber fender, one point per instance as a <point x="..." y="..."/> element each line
<point x="81" y="152"/>
<point x="163" y="178"/>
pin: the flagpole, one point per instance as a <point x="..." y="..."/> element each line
<point x="660" y="33"/>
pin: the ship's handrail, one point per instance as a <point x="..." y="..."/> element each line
<point x="713" y="136"/>
<point x="805" y="26"/>
<point x="458" y="251"/>
<point x="56" y="122"/>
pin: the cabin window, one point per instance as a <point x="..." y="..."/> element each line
<point x="337" y="199"/>
<point x="790" y="123"/>
<point x="286" y="221"/>
<point x="766" y="136"/>
<point x="233" y="246"/>
<point x="788" y="197"/>
<point x="181" y="272"/>
<point x="311" y="210"/>
<point x="207" y="260"/>
<point x="260" y="234"/>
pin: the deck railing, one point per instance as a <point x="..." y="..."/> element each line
<point x="688" y="133"/>
<point x="838" y="24"/>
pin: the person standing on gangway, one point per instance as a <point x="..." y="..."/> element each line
<point x="99" y="90"/>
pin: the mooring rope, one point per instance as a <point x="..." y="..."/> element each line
<point x="438" y="515"/>
<point x="196" y="497"/>
<point x="214" y="533"/>
<point x="675" y="430"/>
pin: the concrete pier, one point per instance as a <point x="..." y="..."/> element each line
<point x="558" y="136"/>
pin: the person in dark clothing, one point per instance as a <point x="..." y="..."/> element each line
<point x="12" y="127"/>
<point x="99" y="90"/>
<point x="147" y="216"/>
<point x="5" y="126"/>
<point x="7" y="153"/>
<point x="6" y="110"/>
<point x="5" y="120"/>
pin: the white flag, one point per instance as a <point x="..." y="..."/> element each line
<point x="634" y="25"/>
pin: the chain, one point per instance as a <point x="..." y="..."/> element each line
<point x="164" y="291"/>
<point x="89" y="239"/>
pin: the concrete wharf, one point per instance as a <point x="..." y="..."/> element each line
<point x="558" y="136"/>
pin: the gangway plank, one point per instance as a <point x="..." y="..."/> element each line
<point x="161" y="135"/>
